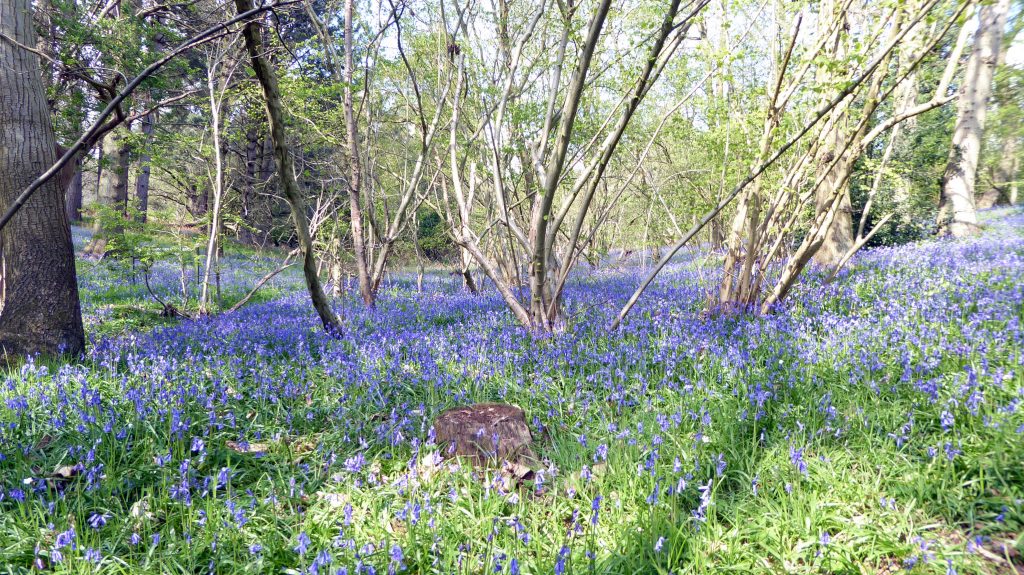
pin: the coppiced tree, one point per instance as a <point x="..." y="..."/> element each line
<point x="543" y="174"/>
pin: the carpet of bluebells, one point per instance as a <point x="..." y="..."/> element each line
<point x="872" y="425"/>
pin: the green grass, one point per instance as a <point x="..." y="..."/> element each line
<point x="885" y="505"/>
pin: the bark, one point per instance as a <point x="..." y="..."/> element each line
<point x="142" y="180"/>
<point x="39" y="306"/>
<point x="1015" y="184"/>
<point x="113" y="188"/>
<point x="73" y="201"/>
<point x="418" y="251"/>
<point x="286" y="171"/>
<point x="199" y="201"/>
<point x="839" y="236"/>
<point x="1004" y="177"/>
<point x="248" y="195"/>
<point x="337" y="271"/>
<point x="485" y="433"/>
<point x="355" y="172"/>
<point x="467" y="274"/>
<point x="541" y="257"/>
<point x="717" y="236"/>
<point x="957" y="211"/>
<point x="212" y="246"/>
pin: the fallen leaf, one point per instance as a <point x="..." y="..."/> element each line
<point x="254" y="448"/>
<point x="66" y="472"/>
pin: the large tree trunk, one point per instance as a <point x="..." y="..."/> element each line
<point x="39" y="306"/>
<point x="957" y="211"/>
<point x="199" y="201"/>
<point x="286" y="170"/>
<point x="142" y="181"/>
<point x="112" y="192"/>
<point x="839" y="237"/>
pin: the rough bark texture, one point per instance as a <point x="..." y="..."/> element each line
<point x="275" y="117"/>
<point x="112" y="191"/>
<point x="839" y="237"/>
<point x="142" y="180"/>
<point x="40" y="310"/>
<point x="246" y="233"/>
<point x="467" y="274"/>
<point x="484" y="433"/>
<point x="73" y="202"/>
<point x="957" y="211"/>
<point x="199" y="200"/>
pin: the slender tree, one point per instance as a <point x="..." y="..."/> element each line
<point x="286" y="170"/>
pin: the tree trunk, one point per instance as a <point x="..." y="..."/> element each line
<point x="112" y="192"/>
<point x="39" y="306"/>
<point x="957" y="211"/>
<point x="199" y="200"/>
<point x="839" y="237"/>
<point x="467" y="275"/>
<point x="337" y="271"/>
<point x="73" y="201"/>
<point x="354" y="180"/>
<point x="286" y="171"/>
<point x="213" y="245"/>
<point x="248" y="195"/>
<point x="142" y="181"/>
<point x="717" y="236"/>
<point x="1011" y="195"/>
<point x="1004" y="176"/>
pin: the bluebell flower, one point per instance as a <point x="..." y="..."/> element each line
<point x="796" y="456"/>
<point x="93" y="555"/>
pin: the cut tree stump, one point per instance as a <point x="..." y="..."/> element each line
<point x="485" y="433"/>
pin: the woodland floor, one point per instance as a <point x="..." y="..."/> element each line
<point x="872" y="425"/>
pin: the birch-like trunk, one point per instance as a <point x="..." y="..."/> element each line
<point x="212" y="245"/>
<point x="957" y="210"/>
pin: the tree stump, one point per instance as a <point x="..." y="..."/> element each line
<point x="485" y="432"/>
